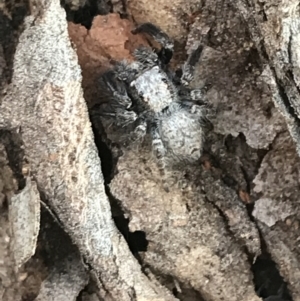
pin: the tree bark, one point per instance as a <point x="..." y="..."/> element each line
<point x="241" y="204"/>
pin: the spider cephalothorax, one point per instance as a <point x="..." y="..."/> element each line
<point x="147" y="96"/>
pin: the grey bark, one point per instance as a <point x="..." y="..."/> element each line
<point x="200" y="239"/>
<point x="45" y="103"/>
<point x="274" y="28"/>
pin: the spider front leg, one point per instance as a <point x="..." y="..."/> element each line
<point x="140" y="129"/>
<point x="197" y="95"/>
<point x="189" y="67"/>
<point x="120" y="116"/>
<point x="124" y="117"/>
<point x="113" y="90"/>
<point x="146" y="56"/>
<point x="166" y="53"/>
<point x="201" y="111"/>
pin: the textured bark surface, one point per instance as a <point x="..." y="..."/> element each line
<point x="52" y="121"/>
<point x="242" y="203"/>
<point x="274" y="28"/>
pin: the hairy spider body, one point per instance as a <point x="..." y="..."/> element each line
<point x="144" y="94"/>
<point x="152" y="86"/>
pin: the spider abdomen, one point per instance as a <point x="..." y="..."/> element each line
<point x="182" y="135"/>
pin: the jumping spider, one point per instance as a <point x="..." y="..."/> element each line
<point x="149" y="97"/>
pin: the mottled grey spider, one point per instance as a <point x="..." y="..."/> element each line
<point x="149" y="97"/>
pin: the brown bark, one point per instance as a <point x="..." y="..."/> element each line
<point x="242" y="199"/>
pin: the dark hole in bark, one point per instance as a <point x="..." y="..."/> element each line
<point x="249" y="157"/>
<point x="186" y="293"/>
<point x="269" y="284"/>
<point x="182" y="291"/>
<point x="105" y="154"/>
<point x="86" y="13"/>
<point x="10" y="30"/>
<point x="136" y="240"/>
<point x="90" y="291"/>
<point x="15" y="154"/>
<point x="53" y="242"/>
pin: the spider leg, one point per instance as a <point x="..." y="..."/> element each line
<point x="124" y="117"/>
<point x="168" y="178"/>
<point x="161" y="37"/>
<point x="113" y="90"/>
<point x="193" y="108"/>
<point x="196" y="94"/>
<point x="189" y="67"/>
<point x="121" y="116"/>
<point x="140" y="130"/>
<point x="159" y="153"/>
<point x="114" y="100"/>
<point x="199" y="110"/>
<point x="146" y="56"/>
<point x="202" y="111"/>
